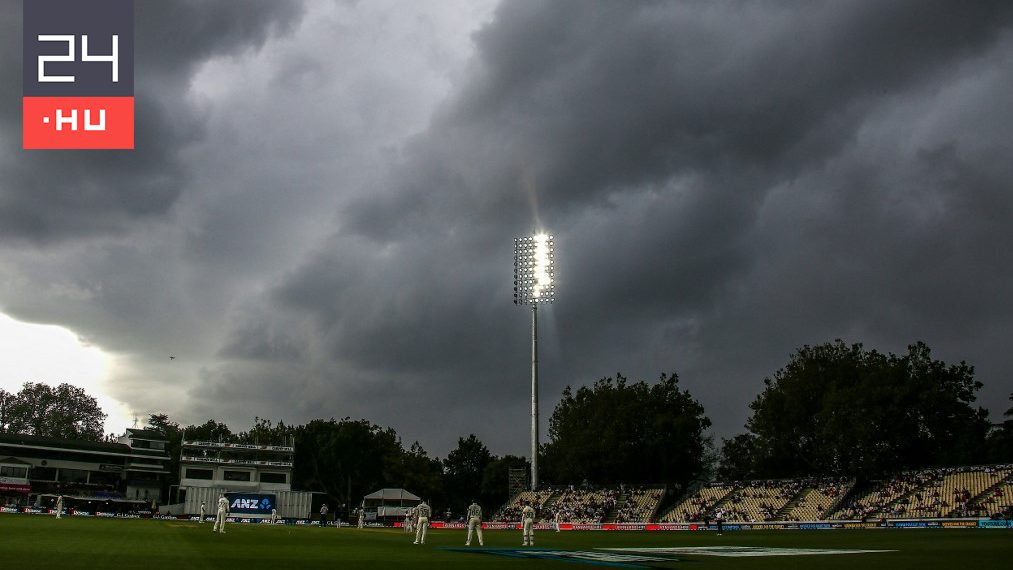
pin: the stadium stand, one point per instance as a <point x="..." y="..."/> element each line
<point x="878" y="501"/>
<point x="951" y="493"/>
<point x="699" y="505"/>
<point x="511" y="512"/>
<point x="639" y="505"/>
<point x="757" y="501"/>
<point x="815" y="502"/>
<point x="942" y="492"/>
<point x="996" y="501"/>
<point x="582" y="506"/>
<point x="930" y="493"/>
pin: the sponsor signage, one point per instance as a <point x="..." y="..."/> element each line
<point x="251" y="503"/>
<point x="909" y="524"/>
<point x="951" y="524"/>
<point x="78" y="74"/>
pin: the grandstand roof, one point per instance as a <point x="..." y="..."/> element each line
<point x="392" y="495"/>
<point x="58" y="442"/>
<point x="148" y="434"/>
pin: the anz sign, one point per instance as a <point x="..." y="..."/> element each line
<point x="251" y="504"/>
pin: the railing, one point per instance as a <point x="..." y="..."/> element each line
<point x="220" y="445"/>
<point x="236" y="461"/>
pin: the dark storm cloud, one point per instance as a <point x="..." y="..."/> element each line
<point x="726" y="182"/>
<point x="706" y="171"/>
<point x="56" y="196"/>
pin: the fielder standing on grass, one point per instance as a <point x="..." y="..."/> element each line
<point x="274" y="516"/>
<point x="424" y="512"/>
<point x="323" y="515"/>
<point x="362" y="517"/>
<point x="203" y="512"/>
<point x="223" y="511"/>
<point x="474" y="523"/>
<point x="59" y="507"/>
<point x="555" y="519"/>
<point x="409" y="520"/>
<point x="528" y="524"/>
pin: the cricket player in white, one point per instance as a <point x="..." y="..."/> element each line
<point x="528" y="525"/>
<point x="409" y="521"/>
<point x="223" y="511"/>
<point x="474" y="523"/>
<point x="555" y="519"/>
<point x="203" y="512"/>
<point x="59" y="506"/>
<point x="424" y="512"/>
<point x="274" y="516"/>
<point x="362" y="517"/>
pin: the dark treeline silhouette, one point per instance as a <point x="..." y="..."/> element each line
<point x="834" y="409"/>
<point x="837" y="409"/>
<point x="39" y="409"/>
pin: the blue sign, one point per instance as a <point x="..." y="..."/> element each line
<point x="250" y="504"/>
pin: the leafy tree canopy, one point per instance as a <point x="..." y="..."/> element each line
<point x="464" y="468"/>
<point x="64" y="411"/>
<point x="615" y="432"/>
<point x="843" y="410"/>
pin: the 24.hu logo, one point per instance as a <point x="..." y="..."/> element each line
<point x="78" y="74"/>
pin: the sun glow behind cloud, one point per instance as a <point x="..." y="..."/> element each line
<point x="54" y="355"/>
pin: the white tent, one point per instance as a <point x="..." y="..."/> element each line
<point x="390" y="502"/>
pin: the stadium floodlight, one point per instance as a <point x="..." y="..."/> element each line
<point x="534" y="283"/>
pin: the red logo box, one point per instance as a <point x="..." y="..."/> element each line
<point x="78" y="122"/>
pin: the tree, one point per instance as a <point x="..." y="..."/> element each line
<point x="174" y="434"/>
<point x="7" y="401"/>
<point x="64" y="411"/>
<point x="842" y="410"/>
<point x="464" y="468"/>
<point x="345" y="459"/>
<point x="1000" y="439"/>
<point x="617" y="432"/>
<point x="736" y="460"/>
<point x="264" y="432"/>
<point x="415" y="471"/>
<point x="496" y="479"/>
<point x="210" y="430"/>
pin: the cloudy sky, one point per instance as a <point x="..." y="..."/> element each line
<point x="318" y="218"/>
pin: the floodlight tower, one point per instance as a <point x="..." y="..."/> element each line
<point x="534" y="267"/>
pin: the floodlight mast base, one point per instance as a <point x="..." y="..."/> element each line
<point x="534" y="396"/>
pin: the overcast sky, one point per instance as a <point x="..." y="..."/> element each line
<point x="318" y="218"/>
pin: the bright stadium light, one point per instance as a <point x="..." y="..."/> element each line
<point x="534" y="261"/>
<point x="534" y="283"/>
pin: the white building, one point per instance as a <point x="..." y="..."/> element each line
<point x="91" y="474"/>
<point x="262" y="472"/>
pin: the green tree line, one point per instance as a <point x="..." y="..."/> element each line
<point x="833" y="409"/>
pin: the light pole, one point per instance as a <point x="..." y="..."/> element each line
<point x="534" y="266"/>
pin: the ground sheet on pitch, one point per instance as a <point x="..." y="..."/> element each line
<point x="644" y="557"/>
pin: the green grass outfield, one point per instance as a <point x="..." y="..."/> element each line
<point x="28" y="541"/>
